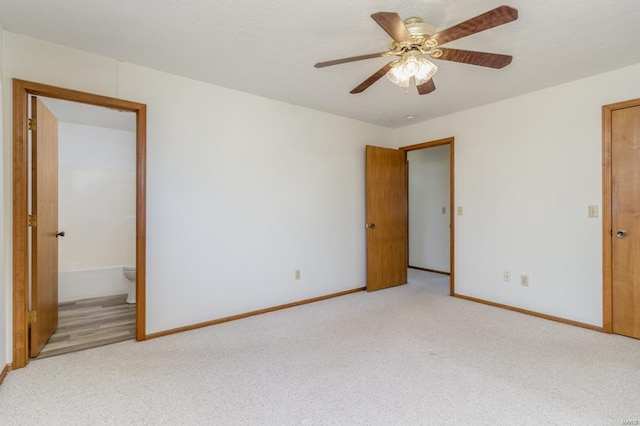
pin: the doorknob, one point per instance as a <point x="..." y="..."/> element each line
<point x="60" y="234"/>
<point x="621" y="233"/>
<point x="370" y="225"/>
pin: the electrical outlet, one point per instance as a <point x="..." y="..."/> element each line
<point x="524" y="280"/>
<point x="506" y="276"/>
<point x="297" y="274"/>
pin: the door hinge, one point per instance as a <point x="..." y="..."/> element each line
<point x="32" y="220"/>
<point x="32" y="124"/>
<point x="33" y="317"/>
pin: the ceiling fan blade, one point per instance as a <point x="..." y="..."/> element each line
<point x="374" y="77"/>
<point x="351" y="59"/>
<point x="483" y="59"/>
<point x="426" y="88"/>
<point x="493" y="18"/>
<point x="393" y="25"/>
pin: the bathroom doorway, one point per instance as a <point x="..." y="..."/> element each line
<point x="96" y="226"/>
<point x="27" y="322"/>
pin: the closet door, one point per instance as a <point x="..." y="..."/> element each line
<point x="625" y="223"/>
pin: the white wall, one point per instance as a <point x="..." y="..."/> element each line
<point x="97" y="203"/>
<point x="526" y="169"/>
<point x="5" y="295"/>
<point x="97" y="197"/>
<point x="242" y="190"/>
<point x="428" y="196"/>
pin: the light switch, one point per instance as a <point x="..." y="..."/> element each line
<point x="459" y="210"/>
<point x="593" y="210"/>
<point x="444" y="210"/>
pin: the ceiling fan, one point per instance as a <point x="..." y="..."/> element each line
<point x="413" y="39"/>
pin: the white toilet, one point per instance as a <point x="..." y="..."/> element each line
<point x="130" y="273"/>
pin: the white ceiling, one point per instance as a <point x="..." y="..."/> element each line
<point x="269" y="47"/>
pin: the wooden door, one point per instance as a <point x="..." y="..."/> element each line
<point x="386" y="205"/>
<point x="625" y="200"/>
<point x="44" y="249"/>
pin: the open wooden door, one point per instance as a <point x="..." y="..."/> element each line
<point x="44" y="249"/>
<point x="386" y="205"/>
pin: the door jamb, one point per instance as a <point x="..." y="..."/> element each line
<point x="607" y="212"/>
<point x="21" y="91"/>
<point x="446" y="141"/>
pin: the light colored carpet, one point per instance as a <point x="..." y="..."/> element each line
<point x="406" y="355"/>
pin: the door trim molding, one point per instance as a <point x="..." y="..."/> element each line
<point x="21" y="91"/>
<point x="607" y="212"/>
<point x="4" y="372"/>
<point x="451" y="142"/>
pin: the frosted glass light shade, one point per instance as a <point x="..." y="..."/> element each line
<point x="397" y="75"/>
<point x="426" y="71"/>
<point x="411" y="65"/>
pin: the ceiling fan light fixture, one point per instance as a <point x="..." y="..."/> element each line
<point x="413" y="38"/>
<point x="397" y="75"/>
<point x="425" y="72"/>
<point x="412" y="65"/>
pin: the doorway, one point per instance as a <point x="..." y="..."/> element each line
<point x="386" y="206"/>
<point x="620" y="222"/>
<point x="429" y="209"/>
<point x="433" y="252"/>
<point x="22" y="91"/>
<point x="95" y="227"/>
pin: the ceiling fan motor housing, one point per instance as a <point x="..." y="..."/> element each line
<point x="418" y="28"/>
<point x="420" y="39"/>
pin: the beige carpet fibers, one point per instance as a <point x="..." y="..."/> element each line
<point x="409" y="355"/>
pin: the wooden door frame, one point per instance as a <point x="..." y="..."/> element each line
<point x="21" y="92"/>
<point x="446" y="141"/>
<point x="607" y="212"/>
